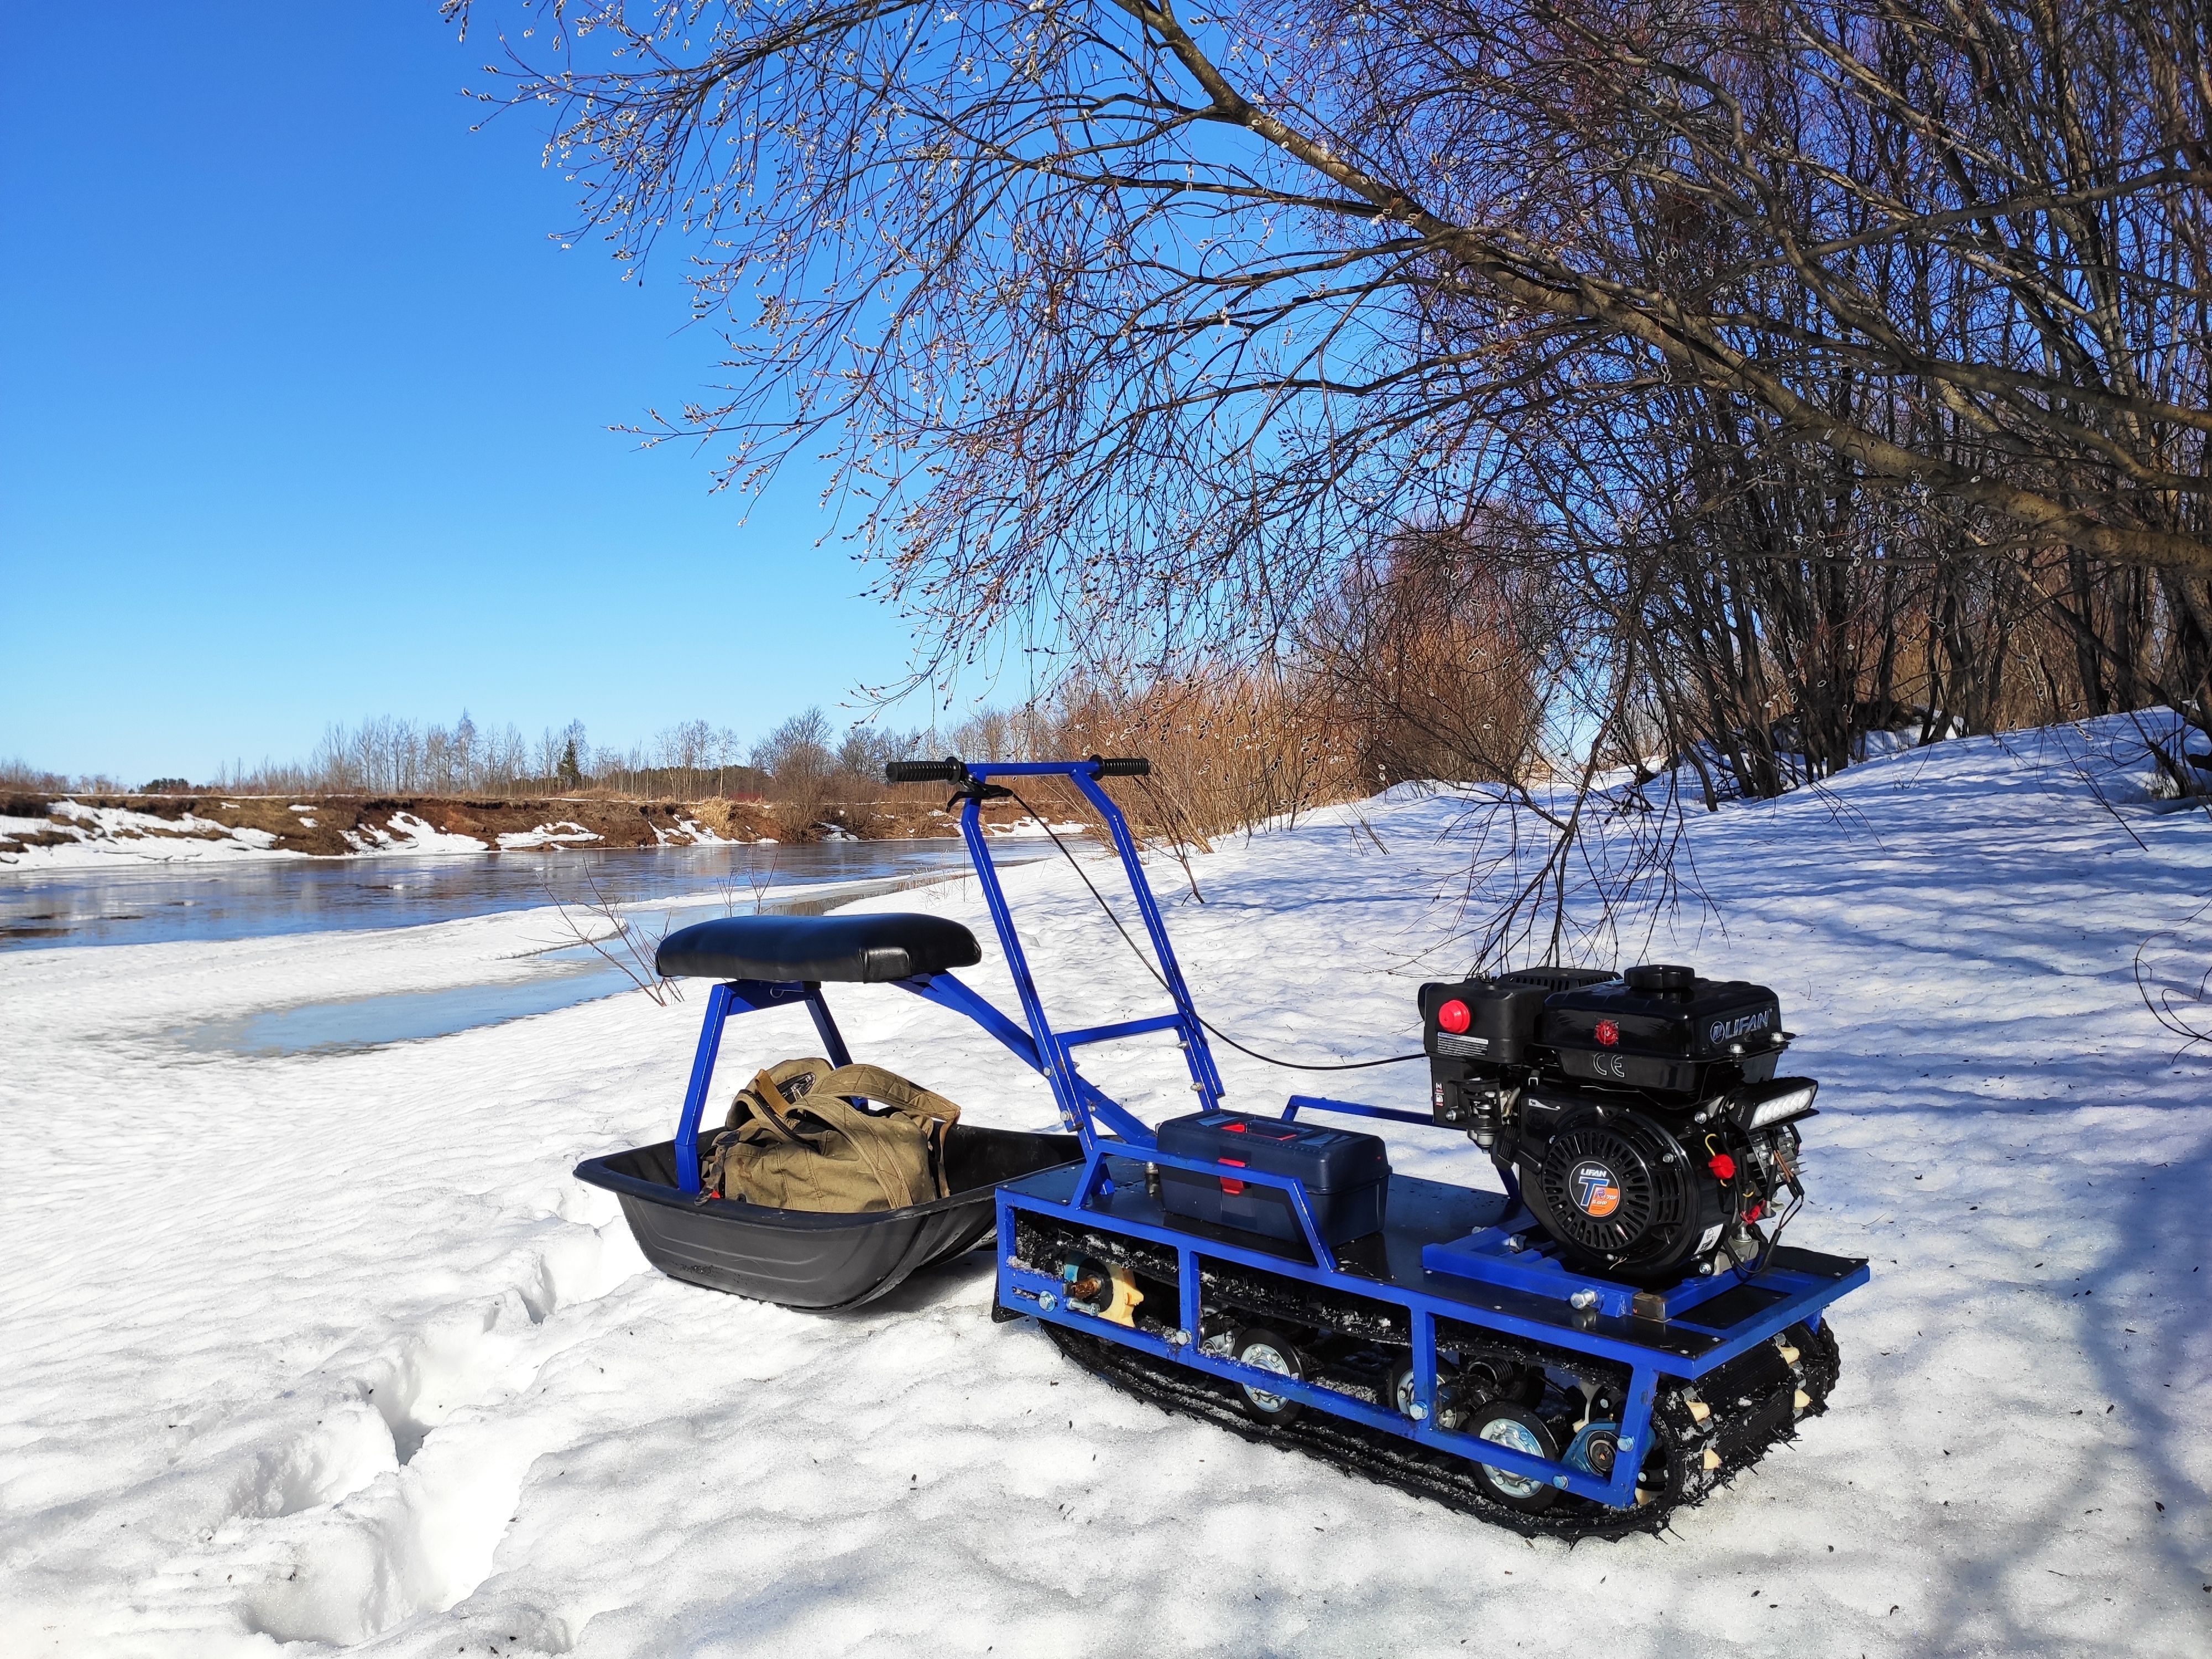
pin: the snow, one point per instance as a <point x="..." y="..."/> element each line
<point x="1019" y="829"/>
<point x="419" y="835"/>
<point x="105" y="835"/>
<point x="567" y="833"/>
<point x="332" y="1350"/>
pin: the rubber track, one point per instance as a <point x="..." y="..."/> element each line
<point x="1740" y="1431"/>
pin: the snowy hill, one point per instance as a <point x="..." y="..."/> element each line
<point x="331" y="1349"/>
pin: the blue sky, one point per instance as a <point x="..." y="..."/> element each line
<point x="303" y="416"/>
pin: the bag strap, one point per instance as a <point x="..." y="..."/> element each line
<point x="904" y="1095"/>
<point x="764" y="1097"/>
<point x="768" y="1107"/>
<point x="929" y="1111"/>
<point x="825" y="1100"/>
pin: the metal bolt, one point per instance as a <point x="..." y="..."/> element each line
<point x="1178" y="1339"/>
<point x="1584" y="1299"/>
<point x="1417" y="1411"/>
<point x="1560" y="1481"/>
<point x="1047" y="1301"/>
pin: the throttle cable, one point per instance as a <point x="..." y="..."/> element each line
<point x="1138" y="951"/>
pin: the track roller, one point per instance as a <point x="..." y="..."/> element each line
<point x="1523" y="1430"/>
<point x="1265" y="1350"/>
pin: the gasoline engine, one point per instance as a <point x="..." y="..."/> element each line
<point x="1638" y="1115"/>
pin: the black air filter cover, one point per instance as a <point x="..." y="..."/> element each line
<point x="1501" y="1020"/>
<point x="1660" y="1027"/>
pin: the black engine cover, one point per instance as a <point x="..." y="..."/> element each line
<point x="1624" y="1106"/>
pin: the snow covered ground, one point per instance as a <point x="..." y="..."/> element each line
<point x="331" y="1350"/>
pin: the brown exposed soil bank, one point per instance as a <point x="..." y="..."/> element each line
<point x="340" y="826"/>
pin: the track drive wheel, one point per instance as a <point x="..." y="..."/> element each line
<point x="1264" y="1350"/>
<point x="1524" y="1432"/>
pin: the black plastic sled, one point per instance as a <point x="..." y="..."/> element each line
<point x="807" y="1258"/>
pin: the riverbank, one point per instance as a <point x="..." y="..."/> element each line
<point x="47" y="831"/>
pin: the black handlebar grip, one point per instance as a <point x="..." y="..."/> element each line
<point x="948" y="771"/>
<point x="1129" y="766"/>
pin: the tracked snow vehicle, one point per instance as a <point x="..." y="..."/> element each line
<point x="1580" y="1354"/>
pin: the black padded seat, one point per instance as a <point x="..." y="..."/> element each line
<point x="865" y="949"/>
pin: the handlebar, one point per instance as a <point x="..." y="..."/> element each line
<point x="948" y="771"/>
<point x="953" y="770"/>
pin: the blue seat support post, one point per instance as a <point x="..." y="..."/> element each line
<point x="833" y="1040"/>
<point x="726" y="1000"/>
<point x="719" y="1007"/>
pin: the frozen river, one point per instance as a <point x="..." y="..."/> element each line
<point x="257" y="898"/>
<point x="652" y="891"/>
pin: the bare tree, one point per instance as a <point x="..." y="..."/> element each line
<point x="1801" y="340"/>
<point x="598" y="923"/>
<point x="796" y="757"/>
<point x="1333" y="255"/>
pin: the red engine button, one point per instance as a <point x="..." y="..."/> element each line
<point x="1608" y="1033"/>
<point x="1454" y="1017"/>
<point x="1723" y="1166"/>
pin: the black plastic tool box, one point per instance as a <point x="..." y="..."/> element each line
<point x="1347" y="1175"/>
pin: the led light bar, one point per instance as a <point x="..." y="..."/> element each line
<point x="1764" y="1104"/>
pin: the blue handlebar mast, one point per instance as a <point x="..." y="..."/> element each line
<point x="1078" y="1101"/>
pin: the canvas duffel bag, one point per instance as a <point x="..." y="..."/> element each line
<point x="797" y="1138"/>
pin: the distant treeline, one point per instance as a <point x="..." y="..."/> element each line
<point x="386" y="754"/>
<point x="1231" y="748"/>
<point x="1425" y="663"/>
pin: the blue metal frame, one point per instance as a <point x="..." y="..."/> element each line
<point x="1510" y="1256"/>
<point x="1026" y="1289"/>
